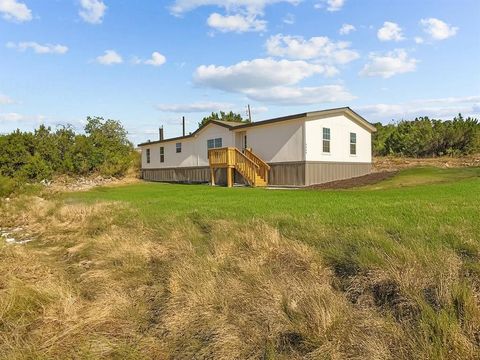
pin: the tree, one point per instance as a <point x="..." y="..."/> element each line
<point x="104" y="148"/>
<point x="65" y="142"/>
<point x="231" y="116"/>
<point x="424" y="137"/>
<point x="110" y="149"/>
<point x="379" y="138"/>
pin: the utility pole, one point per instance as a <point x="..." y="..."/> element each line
<point x="249" y="113"/>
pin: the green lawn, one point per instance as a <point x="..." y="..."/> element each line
<point x="421" y="208"/>
<point x="426" y="175"/>
<point x="413" y="196"/>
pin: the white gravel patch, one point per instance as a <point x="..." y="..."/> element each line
<point x="15" y="236"/>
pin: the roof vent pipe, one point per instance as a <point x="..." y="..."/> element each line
<point x="160" y="133"/>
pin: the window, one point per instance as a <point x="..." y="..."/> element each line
<point x="148" y="156"/>
<point x="214" y="143"/>
<point x="178" y="147"/>
<point x="326" y="140"/>
<point x="162" y="154"/>
<point x="353" y="144"/>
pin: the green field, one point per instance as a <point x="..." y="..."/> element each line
<point x="420" y="208"/>
<point x="171" y="200"/>
<point x="391" y="270"/>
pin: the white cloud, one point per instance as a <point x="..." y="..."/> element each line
<point x="16" y="117"/>
<point x="289" y="19"/>
<point x="332" y="5"/>
<point x="92" y="11"/>
<point x="39" y="48"/>
<point x="347" y="29"/>
<point x="194" y="107"/>
<point x="271" y="81"/>
<point x="11" y="117"/>
<point x="251" y="6"/>
<point x="392" y="63"/>
<point x="241" y="15"/>
<point x="319" y="48"/>
<point x="438" y="29"/>
<point x="110" y="57"/>
<point x="286" y="95"/>
<point x="445" y="108"/>
<point x="418" y="40"/>
<point x="15" y="11"/>
<point x="257" y="74"/>
<point x="157" y="59"/>
<point x="236" y="23"/>
<point x="258" y="109"/>
<point x="390" y="32"/>
<point x="5" y="100"/>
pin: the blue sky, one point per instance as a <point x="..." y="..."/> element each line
<point x="149" y="62"/>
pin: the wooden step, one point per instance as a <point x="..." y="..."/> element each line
<point x="260" y="183"/>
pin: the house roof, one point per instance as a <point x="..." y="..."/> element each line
<point x="312" y="114"/>
<point x="327" y="112"/>
<point x="230" y="123"/>
<point x="227" y="124"/>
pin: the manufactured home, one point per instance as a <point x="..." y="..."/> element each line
<point x="296" y="150"/>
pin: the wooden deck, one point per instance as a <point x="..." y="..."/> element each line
<point x="247" y="163"/>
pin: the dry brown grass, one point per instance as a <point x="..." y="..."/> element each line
<point x="94" y="285"/>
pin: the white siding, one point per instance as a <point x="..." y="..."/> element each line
<point x="277" y="142"/>
<point x="194" y="149"/>
<point x="212" y="132"/>
<point x="285" y="141"/>
<point x="340" y="129"/>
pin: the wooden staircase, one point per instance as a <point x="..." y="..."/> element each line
<point x="253" y="169"/>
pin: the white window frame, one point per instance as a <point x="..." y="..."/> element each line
<point x="326" y="140"/>
<point x="354" y="144"/>
<point x="162" y="154"/>
<point x="214" y="143"/>
<point x="147" y="155"/>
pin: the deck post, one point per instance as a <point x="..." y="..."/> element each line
<point x="229" y="176"/>
<point x="212" y="176"/>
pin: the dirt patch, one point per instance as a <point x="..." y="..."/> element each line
<point x="388" y="295"/>
<point x="388" y="163"/>
<point x="368" y="179"/>
<point x="67" y="183"/>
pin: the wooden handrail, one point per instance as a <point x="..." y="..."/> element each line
<point x="220" y="157"/>
<point x="264" y="167"/>
<point x="249" y="165"/>
<point x="255" y="158"/>
<point x="246" y="167"/>
<point x="242" y="155"/>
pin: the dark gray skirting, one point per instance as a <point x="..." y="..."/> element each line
<point x="317" y="172"/>
<point x="183" y="175"/>
<point x="298" y="173"/>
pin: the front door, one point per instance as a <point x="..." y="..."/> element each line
<point x="241" y="140"/>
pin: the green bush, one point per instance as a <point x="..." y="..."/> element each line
<point x="36" y="169"/>
<point x="424" y="137"/>
<point x="32" y="157"/>
<point x="7" y="186"/>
